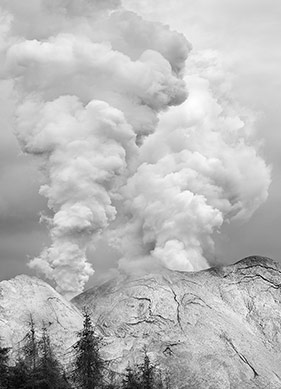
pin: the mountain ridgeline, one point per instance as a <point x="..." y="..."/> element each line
<point x="219" y="328"/>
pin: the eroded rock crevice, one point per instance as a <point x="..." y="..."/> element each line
<point x="240" y="355"/>
<point x="178" y="309"/>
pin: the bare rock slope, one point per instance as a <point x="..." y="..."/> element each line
<point x="219" y="328"/>
<point x="23" y="297"/>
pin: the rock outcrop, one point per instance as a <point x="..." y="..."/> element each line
<point x="23" y="297"/>
<point x="219" y="328"/>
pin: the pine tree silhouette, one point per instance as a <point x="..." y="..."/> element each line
<point x="88" y="364"/>
<point x="50" y="372"/>
<point x="147" y="373"/>
<point x="131" y="379"/>
<point x="4" y="367"/>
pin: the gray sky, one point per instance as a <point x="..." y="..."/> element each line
<point x="247" y="35"/>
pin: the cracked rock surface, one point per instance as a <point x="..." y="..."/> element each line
<point x="219" y="328"/>
<point x="23" y="296"/>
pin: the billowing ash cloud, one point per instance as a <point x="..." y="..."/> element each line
<point x="198" y="170"/>
<point x="92" y="81"/>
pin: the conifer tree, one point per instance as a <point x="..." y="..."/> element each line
<point x="131" y="379"/>
<point x="50" y="373"/>
<point x="88" y="364"/>
<point x="30" y="356"/>
<point x="147" y="373"/>
<point x="22" y="373"/>
<point x="37" y="366"/>
<point x="19" y="375"/>
<point x="144" y="376"/>
<point x="4" y="367"/>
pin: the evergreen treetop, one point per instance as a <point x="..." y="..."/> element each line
<point x="4" y="367"/>
<point x="88" y="364"/>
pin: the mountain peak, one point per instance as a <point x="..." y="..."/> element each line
<point x="216" y="328"/>
<point x="25" y="296"/>
<point x="257" y="260"/>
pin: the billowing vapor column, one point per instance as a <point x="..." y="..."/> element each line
<point x="199" y="169"/>
<point x="90" y="80"/>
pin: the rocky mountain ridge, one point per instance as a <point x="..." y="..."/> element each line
<point x="219" y="328"/>
<point x="23" y="297"/>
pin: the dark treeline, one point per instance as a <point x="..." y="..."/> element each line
<point x="37" y="367"/>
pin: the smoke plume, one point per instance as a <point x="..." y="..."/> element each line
<point x="198" y="170"/>
<point x="94" y="83"/>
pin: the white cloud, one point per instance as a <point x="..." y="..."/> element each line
<point x="91" y="80"/>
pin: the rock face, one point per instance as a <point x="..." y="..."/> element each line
<point x="219" y="328"/>
<point x="23" y="296"/>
